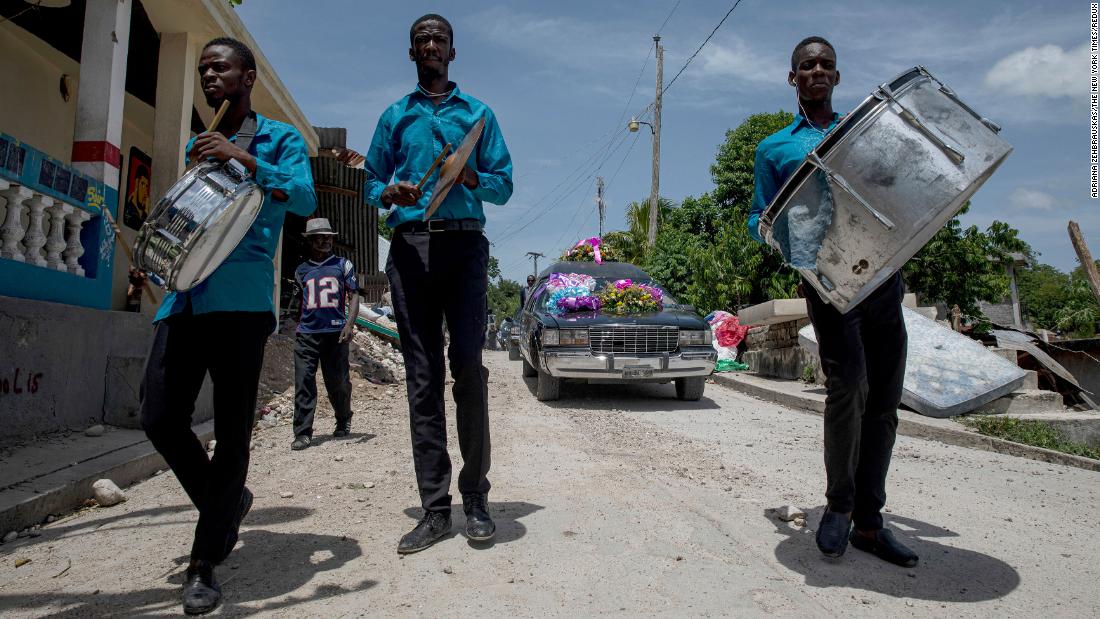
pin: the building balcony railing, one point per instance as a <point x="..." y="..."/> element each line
<point x="54" y="244"/>
<point x="50" y="236"/>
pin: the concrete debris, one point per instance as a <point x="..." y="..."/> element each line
<point x="211" y="445"/>
<point x="107" y="493"/>
<point x="787" y="513"/>
<point x="799" y="522"/>
<point x="11" y="537"/>
<point x="286" y="495"/>
<point x="375" y="359"/>
<point x="448" y="570"/>
<point x="96" y="430"/>
<point x="339" y="458"/>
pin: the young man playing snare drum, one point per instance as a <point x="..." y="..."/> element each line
<point x="221" y="325"/>
<point x="862" y="352"/>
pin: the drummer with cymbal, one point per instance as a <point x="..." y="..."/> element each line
<point x="221" y="325"/>
<point x="862" y="352"/>
<point x="438" y="270"/>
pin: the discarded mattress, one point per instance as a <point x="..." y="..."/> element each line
<point x="946" y="374"/>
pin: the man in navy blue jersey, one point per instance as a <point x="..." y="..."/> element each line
<point x="324" y="330"/>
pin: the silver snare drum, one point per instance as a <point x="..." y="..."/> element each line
<point x="196" y="225"/>
<point x="880" y="185"/>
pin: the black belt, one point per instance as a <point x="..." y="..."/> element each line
<point x="441" y="225"/>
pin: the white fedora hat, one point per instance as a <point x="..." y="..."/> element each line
<point x="318" y="225"/>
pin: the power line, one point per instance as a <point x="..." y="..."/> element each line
<point x="669" y="16"/>
<point x="692" y="57"/>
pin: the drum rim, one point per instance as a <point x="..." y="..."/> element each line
<point x="245" y="191"/>
<point x="850" y="122"/>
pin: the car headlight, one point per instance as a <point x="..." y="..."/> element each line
<point x="573" y="337"/>
<point x="695" y="338"/>
<point x="549" y="337"/>
<point x="565" y="337"/>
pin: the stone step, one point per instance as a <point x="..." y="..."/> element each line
<point x="1024" y="402"/>
<point x="1075" y="426"/>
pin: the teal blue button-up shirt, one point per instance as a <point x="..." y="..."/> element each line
<point x="245" y="282"/>
<point x="410" y="135"/>
<point x="777" y="157"/>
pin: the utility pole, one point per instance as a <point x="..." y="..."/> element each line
<point x="535" y="258"/>
<point x="656" y="142"/>
<point x="599" y="201"/>
<point x="1085" y="257"/>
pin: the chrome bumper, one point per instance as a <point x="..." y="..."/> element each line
<point x="582" y="363"/>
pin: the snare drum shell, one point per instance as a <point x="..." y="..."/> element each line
<point x="197" y="224"/>
<point x="914" y="185"/>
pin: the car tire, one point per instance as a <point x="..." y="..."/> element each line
<point x="513" y="353"/>
<point x="548" y="388"/>
<point x="691" y="388"/>
<point x="528" y="370"/>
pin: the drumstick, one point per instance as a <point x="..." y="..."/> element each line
<point x="126" y="247"/>
<point x="213" y="125"/>
<point x="435" y="164"/>
<point x="218" y="117"/>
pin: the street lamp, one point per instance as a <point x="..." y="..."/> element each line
<point x="634" y="123"/>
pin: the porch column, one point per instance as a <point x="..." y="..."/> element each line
<point x="172" y="117"/>
<point x="102" y="93"/>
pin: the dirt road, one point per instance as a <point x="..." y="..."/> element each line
<point x="615" y="500"/>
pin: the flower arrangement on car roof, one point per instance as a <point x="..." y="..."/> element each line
<point x="575" y="292"/>
<point x="627" y="297"/>
<point x="592" y="249"/>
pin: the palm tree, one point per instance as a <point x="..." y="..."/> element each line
<point x="632" y="242"/>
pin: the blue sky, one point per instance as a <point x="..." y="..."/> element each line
<point x="561" y="77"/>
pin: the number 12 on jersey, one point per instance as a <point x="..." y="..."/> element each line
<point x="322" y="292"/>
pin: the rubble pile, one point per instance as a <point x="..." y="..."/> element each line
<point x="375" y="359"/>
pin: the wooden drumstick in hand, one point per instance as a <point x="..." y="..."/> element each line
<point x="435" y="164"/>
<point x="218" y="117"/>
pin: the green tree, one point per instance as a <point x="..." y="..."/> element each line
<point x="733" y="170"/>
<point x="1080" y="314"/>
<point x="961" y="266"/>
<point x="633" y="243"/>
<point x="1044" y="290"/>
<point x="503" y="293"/>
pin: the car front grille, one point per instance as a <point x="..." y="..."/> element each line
<point x="633" y="340"/>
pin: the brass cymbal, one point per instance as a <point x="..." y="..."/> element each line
<point x="452" y="167"/>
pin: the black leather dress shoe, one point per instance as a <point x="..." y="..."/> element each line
<point x="201" y="592"/>
<point x="479" y="525"/>
<point x="300" y="442"/>
<point x="886" y="547"/>
<point x="342" y="430"/>
<point x="431" y="527"/>
<point x="832" y="534"/>
<point x="235" y="530"/>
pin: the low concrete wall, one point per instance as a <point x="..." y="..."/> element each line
<point x="773" y="350"/>
<point x="63" y="366"/>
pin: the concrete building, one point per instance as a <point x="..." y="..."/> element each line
<point x="100" y="98"/>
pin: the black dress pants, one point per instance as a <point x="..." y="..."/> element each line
<point x="324" y="349"/>
<point x="436" y="276"/>
<point x="863" y="358"/>
<point x="229" y="345"/>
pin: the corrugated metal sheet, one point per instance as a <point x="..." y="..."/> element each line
<point x="340" y="200"/>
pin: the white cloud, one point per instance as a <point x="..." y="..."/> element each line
<point x="1045" y="71"/>
<point x="738" y="60"/>
<point x="1030" y="199"/>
